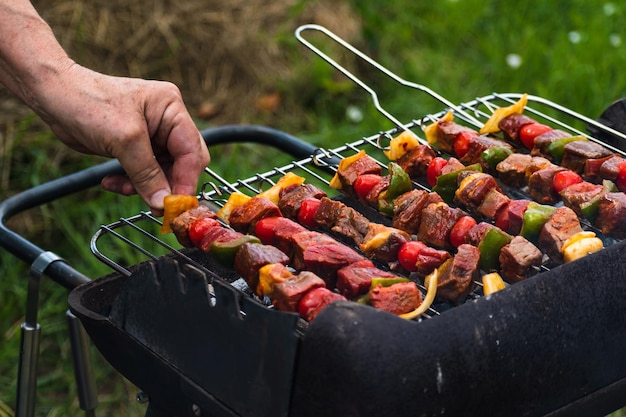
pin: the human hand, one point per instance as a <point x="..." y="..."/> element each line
<point x="142" y="123"/>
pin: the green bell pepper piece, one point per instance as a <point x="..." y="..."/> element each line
<point x="224" y="252"/>
<point x="490" y="246"/>
<point x="557" y="148"/>
<point x="448" y="183"/>
<point x="399" y="183"/>
<point x="494" y="155"/>
<point x="590" y="208"/>
<point x="535" y="216"/>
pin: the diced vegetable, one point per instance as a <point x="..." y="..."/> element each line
<point x="494" y="155"/>
<point x="434" y="169"/>
<point x="265" y="229"/>
<point x="589" y="209"/>
<point x="529" y="132"/>
<point x="492" y="125"/>
<point x="462" y="143"/>
<point x="287" y="180"/>
<point x="580" y="245"/>
<point x="224" y="252"/>
<point x="364" y="184"/>
<point x="235" y="200"/>
<point x="535" y="216"/>
<point x="269" y="275"/>
<point x="447" y="184"/>
<point x="399" y="183"/>
<point x="173" y="206"/>
<point x="460" y="230"/>
<point x="490" y="247"/>
<point x="492" y="282"/>
<point x="564" y="179"/>
<point x="306" y="214"/>
<point x="430" y="132"/>
<point x="401" y="144"/>
<point x="408" y="254"/>
<point x="556" y="149"/>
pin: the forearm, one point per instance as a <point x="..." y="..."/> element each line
<point x="30" y="55"/>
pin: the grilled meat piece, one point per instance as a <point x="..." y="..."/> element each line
<point x="416" y="161"/>
<point x="438" y="219"/>
<point x="542" y="142"/>
<point x="519" y="259"/>
<point x="476" y="233"/>
<point x="609" y="169"/>
<point x="578" y="152"/>
<point x="562" y="225"/>
<point x="511" y="217"/>
<point x="540" y="185"/>
<point x="479" y="144"/>
<point x="407" y="209"/>
<point x="457" y="280"/>
<point x="473" y="187"/>
<point x="292" y="197"/>
<point x="537" y="163"/>
<point x="612" y="215"/>
<point x="430" y="259"/>
<point x="252" y="256"/>
<point x="287" y="294"/>
<point x="364" y="165"/>
<point x="512" y="170"/>
<point x="452" y="165"/>
<point x="244" y="218"/>
<point x="218" y="233"/>
<point x="371" y="199"/>
<point x="511" y="125"/>
<point x="593" y="168"/>
<point x="577" y="194"/>
<point x="398" y="298"/>
<point x="447" y="133"/>
<point x="180" y="224"/>
<point x="383" y="242"/>
<point x="325" y="260"/>
<point x="342" y="219"/>
<point x="294" y="244"/>
<point x="356" y="279"/>
<point x="493" y="202"/>
<point x="316" y="300"/>
<point x="285" y="229"/>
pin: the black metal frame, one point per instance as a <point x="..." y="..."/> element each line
<point x="47" y="263"/>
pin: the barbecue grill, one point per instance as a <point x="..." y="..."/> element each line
<point x="190" y="333"/>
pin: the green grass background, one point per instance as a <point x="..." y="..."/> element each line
<point x="571" y="52"/>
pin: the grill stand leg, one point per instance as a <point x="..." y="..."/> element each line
<point x="29" y="344"/>
<point x="83" y="372"/>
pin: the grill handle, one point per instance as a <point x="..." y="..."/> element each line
<point x="60" y="271"/>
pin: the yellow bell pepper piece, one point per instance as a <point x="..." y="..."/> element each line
<point x="269" y="275"/>
<point x="491" y="126"/>
<point x="173" y="206"/>
<point x="580" y="245"/>
<point x="401" y="144"/>
<point x="431" y="131"/>
<point x="343" y="164"/>
<point x="235" y="200"/>
<point x="273" y="193"/>
<point x="492" y="282"/>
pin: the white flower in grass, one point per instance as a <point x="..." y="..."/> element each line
<point x="615" y="39"/>
<point x="609" y="9"/>
<point x="574" y="37"/>
<point x="514" y="60"/>
<point x="354" y="114"/>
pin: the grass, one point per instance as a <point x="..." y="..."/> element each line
<point x="568" y="51"/>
